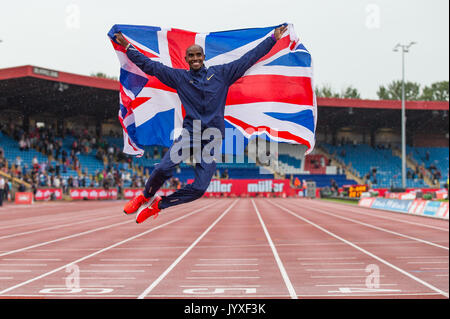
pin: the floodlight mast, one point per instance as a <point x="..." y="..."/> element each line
<point x="405" y="49"/>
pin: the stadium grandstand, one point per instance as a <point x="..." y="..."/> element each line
<point x="59" y="129"/>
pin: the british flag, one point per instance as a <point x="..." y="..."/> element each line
<point x="275" y="97"/>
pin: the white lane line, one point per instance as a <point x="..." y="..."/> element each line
<point x="221" y="286"/>
<point x="52" y="227"/>
<point x="103" y="250"/>
<point x="6" y="278"/>
<point x="283" y="272"/>
<point x="13" y="270"/>
<point x="64" y="238"/>
<point x="267" y="296"/>
<point x="225" y="270"/>
<point x="196" y="278"/>
<point x="106" y="278"/>
<point x="230" y="259"/>
<point x="434" y="268"/>
<point x="342" y="276"/>
<point x="427" y="262"/>
<point x="87" y="286"/>
<point x="208" y="265"/>
<point x="371" y="214"/>
<point x="31" y="259"/>
<point x="129" y="259"/>
<point x="27" y="265"/>
<point x="432" y="257"/>
<point x="169" y="269"/>
<point x="38" y="220"/>
<point x="364" y="251"/>
<point x="315" y="264"/>
<point x="326" y="258"/>
<point x="110" y="270"/>
<point x="120" y="265"/>
<point x="321" y="211"/>
<point x="334" y="269"/>
<point x="352" y="285"/>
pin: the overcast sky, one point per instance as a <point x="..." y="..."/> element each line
<point x="351" y="41"/>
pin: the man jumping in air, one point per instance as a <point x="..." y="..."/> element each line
<point x="203" y="92"/>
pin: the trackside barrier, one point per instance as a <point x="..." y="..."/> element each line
<point x="414" y="207"/>
<point x="23" y="198"/>
<point x="47" y="193"/>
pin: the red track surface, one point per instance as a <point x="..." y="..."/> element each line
<point x="221" y="248"/>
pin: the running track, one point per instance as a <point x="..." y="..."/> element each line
<point x="221" y="248"/>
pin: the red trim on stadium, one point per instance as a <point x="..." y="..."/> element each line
<point x="76" y="79"/>
<point x="383" y="104"/>
<point x="69" y="78"/>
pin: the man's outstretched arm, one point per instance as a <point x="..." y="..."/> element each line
<point x="165" y="74"/>
<point x="234" y="70"/>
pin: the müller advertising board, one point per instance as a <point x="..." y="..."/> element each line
<point x="46" y="193"/>
<point x="93" y="193"/>
<point x="241" y="187"/>
<point x="236" y="187"/>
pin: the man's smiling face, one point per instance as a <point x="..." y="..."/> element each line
<point x="195" y="57"/>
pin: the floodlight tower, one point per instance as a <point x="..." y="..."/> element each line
<point x="405" y="49"/>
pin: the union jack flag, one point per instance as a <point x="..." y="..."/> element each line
<point x="275" y="97"/>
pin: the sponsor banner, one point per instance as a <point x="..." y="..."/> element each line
<point x="442" y="194"/>
<point x="366" y="201"/>
<point x="442" y="212"/>
<point x="383" y="191"/>
<point x="396" y="205"/>
<point x="251" y="187"/>
<point x="23" y="198"/>
<point x="419" y="207"/>
<point x="406" y="195"/>
<point x="93" y="193"/>
<point x="431" y="208"/>
<point x="45" y="193"/>
<point x="130" y="193"/>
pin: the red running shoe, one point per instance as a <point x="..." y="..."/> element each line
<point x="133" y="205"/>
<point x="148" y="210"/>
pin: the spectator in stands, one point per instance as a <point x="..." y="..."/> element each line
<point x="225" y="174"/>
<point x="22" y="144"/>
<point x="2" y="189"/>
<point x="57" y="181"/>
<point x="334" y="187"/>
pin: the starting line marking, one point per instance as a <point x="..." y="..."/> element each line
<point x="216" y="291"/>
<point x="88" y="291"/>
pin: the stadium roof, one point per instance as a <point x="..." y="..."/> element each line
<point x="33" y="89"/>
<point x="58" y="76"/>
<point x="383" y="104"/>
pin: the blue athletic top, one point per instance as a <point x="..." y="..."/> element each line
<point x="203" y="93"/>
